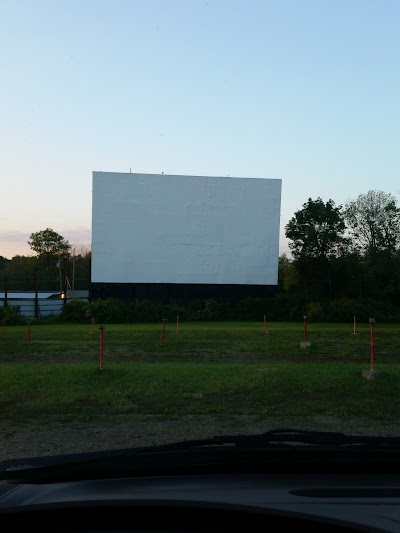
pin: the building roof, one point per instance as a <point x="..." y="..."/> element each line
<point x="29" y="295"/>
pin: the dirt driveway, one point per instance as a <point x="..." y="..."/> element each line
<point x="53" y="437"/>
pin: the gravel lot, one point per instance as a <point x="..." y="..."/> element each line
<point x="53" y="437"/>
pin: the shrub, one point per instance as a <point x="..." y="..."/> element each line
<point x="343" y="310"/>
<point x="11" y="314"/>
<point x="172" y="310"/>
<point x="315" y="311"/>
<point x="108" y="311"/>
<point x="146" y="311"/>
<point x="75" y="311"/>
<point x="382" y="311"/>
<point x="287" y="306"/>
<point x="212" y="310"/>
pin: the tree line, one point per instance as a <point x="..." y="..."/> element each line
<point x="56" y="265"/>
<point x="350" y="251"/>
<point x="344" y="260"/>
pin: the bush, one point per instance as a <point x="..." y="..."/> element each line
<point x="108" y="311"/>
<point x="382" y="311"/>
<point x="343" y="310"/>
<point x="76" y="311"/>
<point x="315" y="311"/>
<point x="286" y="307"/>
<point x="11" y="314"/>
<point x="250" y="309"/>
<point x="172" y="310"/>
<point x="146" y="311"/>
<point x="212" y="310"/>
<point x="280" y="307"/>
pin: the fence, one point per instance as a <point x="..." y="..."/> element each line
<point x="39" y="304"/>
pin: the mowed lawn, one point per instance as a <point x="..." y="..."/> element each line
<point x="205" y="368"/>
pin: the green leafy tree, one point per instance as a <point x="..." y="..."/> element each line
<point x="47" y="243"/>
<point x="316" y="237"/>
<point x="317" y="230"/>
<point x="3" y="262"/>
<point x="287" y="274"/>
<point x="374" y="223"/>
<point x="20" y="273"/>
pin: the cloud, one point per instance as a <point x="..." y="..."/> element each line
<point x="14" y="236"/>
<point x="77" y="234"/>
<point x="72" y="234"/>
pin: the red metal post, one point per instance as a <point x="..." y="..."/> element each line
<point x="177" y="323"/>
<point x="372" y="328"/>
<point x="101" y="328"/>
<point x="163" y="331"/>
<point x="29" y="333"/>
<point x="305" y="328"/>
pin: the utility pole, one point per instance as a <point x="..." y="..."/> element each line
<point x="73" y="273"/>
<point x="65" y="281"/>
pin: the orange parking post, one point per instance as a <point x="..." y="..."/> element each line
<point x="163" y="330"/>
<point x="371" y="373"/>
<point x="372" y="342"/>
<point x="101" y="328"/>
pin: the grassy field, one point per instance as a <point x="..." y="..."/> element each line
<point x="200" y="342"/>
<point x="70" y="391"/>
<point x="207" y="368"/>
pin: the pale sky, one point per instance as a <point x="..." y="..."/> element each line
<point x="303" y="90"/>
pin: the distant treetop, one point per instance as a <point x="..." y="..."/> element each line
<point x="49" y="243"/>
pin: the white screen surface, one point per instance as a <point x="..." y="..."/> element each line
<point x="157" y="228"/>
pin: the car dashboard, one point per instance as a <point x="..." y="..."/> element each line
<point x="207" y="502"/>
